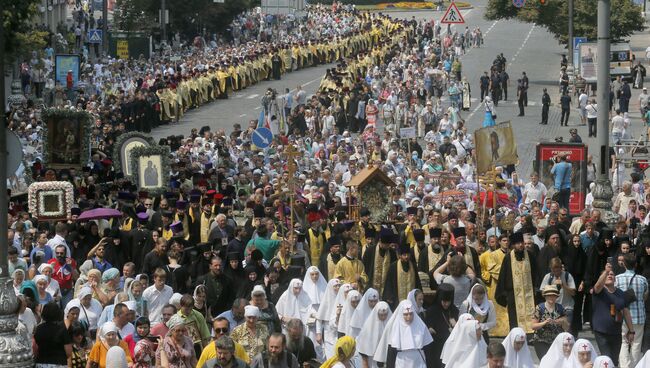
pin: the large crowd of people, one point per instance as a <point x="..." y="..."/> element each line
<point x="239" y="264"/>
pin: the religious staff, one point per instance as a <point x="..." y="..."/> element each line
<point x="515" y="288"/>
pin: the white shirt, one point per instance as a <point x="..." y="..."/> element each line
<point x="592" y="111"/>
<point x="127" y="330"/>
<point x="56" y="241"/>
<point x="582" y="100"/>
<point x="565" y="299"/>
<point x="157" y="299"/>
<point x="534" y="192"/>
<point x="618" y="124"/>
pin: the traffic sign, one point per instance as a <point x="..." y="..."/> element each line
<point x="452" y="15"/>
<point x="519" y="3"/>
<point x="94" y="36"/>
<point x="262" y="137"/>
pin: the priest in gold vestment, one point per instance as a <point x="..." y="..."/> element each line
<point x="491" y="262"/>
<point x="515" y="289"/>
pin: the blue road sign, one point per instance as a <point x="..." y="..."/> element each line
<point x="518" y="3"/>
<point x="94" y="36"/>
<point x="262" y="137"/>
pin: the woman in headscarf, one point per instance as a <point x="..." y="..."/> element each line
<point x="559" y="355"/>
<point x="71" y="315"/>
<point x="362" y="312"/>
<point x="406" y="341"/>
<point x="141" y="347"/>
<point x="490" y="113"/>
<point x="52" y="285"/>
<point x="18" y="277"/>
<point x="371" y="333"/>
<point x="336" y="312"/>
<point x="251" y="335"/>
<point x="315" y="285"/>
<point x="134" y="290"/>
<point x="465" y="346"/>
<point x="583" y="354"/>
<point x="116" y="358"/>
<point x="29" y="290"/>
<point x="109" y="286"/>
<point x="349" y="306"/>
<point x="323" y="332"/>
<point x="178" y="349"/>
<point x="200" y="305"/>
<point x="481" y="308"/>
<point x="41" y="286"/>
<point x="294" y="303"/>
<point x="603" y="361"/>
<point x="90" y="309"/>
<point x="108" y="337"/>
<point x="344" y="352"/>
<point x="52" y="338"/>
<point x="252" y="279"/>
<point x="268" y="314"/>
<point x="517" y="350"/>
<point x="417" y="299"/>
<point x="84" y="269"/>
<point x="441" y="318"/>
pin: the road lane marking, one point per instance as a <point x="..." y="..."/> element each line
<point x="252" y="96"/>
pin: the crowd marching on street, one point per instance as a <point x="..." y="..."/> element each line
<point x="267" y="258"/>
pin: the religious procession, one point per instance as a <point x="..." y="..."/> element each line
<point x="372" y="228"/>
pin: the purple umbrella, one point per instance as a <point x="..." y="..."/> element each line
<point x="99" y="213"/>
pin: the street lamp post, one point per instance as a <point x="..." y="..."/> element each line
<point x="15" y="350"/>
<point x="570" y="41"/>
<point x="603" y="192"/>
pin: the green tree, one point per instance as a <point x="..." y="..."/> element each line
<point x="626" y="17"/>
<point x="19" y="35"/>
<point x="135" y="15"/>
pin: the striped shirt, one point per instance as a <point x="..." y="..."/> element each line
<point x="640" y="286"/>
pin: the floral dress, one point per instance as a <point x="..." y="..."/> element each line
<point x="178" y="356"/>
<point x="252" y="343"/>
<point x="548" y="333"/>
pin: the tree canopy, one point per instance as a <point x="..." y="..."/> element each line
<point x="625" y="18"/>
<point x="20" y="37"/>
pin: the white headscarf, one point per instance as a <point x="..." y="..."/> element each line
<point x="116" y="358"/>
<point x="329" y="298"/>
<point x="346" y="314"/>
<point x="603" y="361"/>
<point x="372" y="329"/>
<point x="643" y="363"/>
<point x="521" y="358"/>
<point x="483" y="308"/>
<point x="581" y="345"/>
<point x="107" y="328"/>
<point x="315" y="290"/>
<point x="294" y="306"/>
<point x="411" y="297"/>
<point x="400" y="335"/>
<point x="555" y="357"/>
<point x="363" y="310"/>
<point x="462" y="349"/>
<point x="340" y="300"/>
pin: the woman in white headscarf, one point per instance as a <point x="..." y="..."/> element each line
<point x="481" y="308"/>
<point x="583" y="353"/>
<point x="116" y="358"/>
<point x="89" y="308"/>
<point x="349" y="306"/>
<point x="405" y="340"/>
<point x="294" y="303"/>
<point x="371" y="333"/>
<point x="465" y="347"/>
<point x="559" y="354"/>
<point x="315" y="285"/>
<point x="53" y="285"/>
<point x="603" y="361"/>
<point x="517" y="351"/>
<point x="108" y="338"/>
<point x="417" y="299"/>
<point x="363" y="311"/>
<point x="324" y="335"/>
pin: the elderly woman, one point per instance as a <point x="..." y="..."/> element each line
<point x="18" y="277"/>
<point x="134" y="291"/>
<point x="89" y="309"/>
<point x="108" y="338"/>
<point x="52" y="338"/>
<point x="109" y="286"/>
<point x="41" y="286"/>
<point x="177" y="349"/>
<point x="252" y="334"/>
<point x="84" y="269"/>
<point x="268" y="314"/>
<point x="53" y="285"/>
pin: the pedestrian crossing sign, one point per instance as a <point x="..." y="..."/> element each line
<point x="95" y="36"/>
<point x="452" y="15"/>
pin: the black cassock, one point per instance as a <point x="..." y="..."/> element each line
<point x="390" y="294"/>
<point x="276" y="65"/>
<point x="504" y="293"/>
<point x="369" y="261"/>
<point x="437" y="318"/>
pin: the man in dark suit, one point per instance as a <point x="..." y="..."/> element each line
<point x="221" y="233"/>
